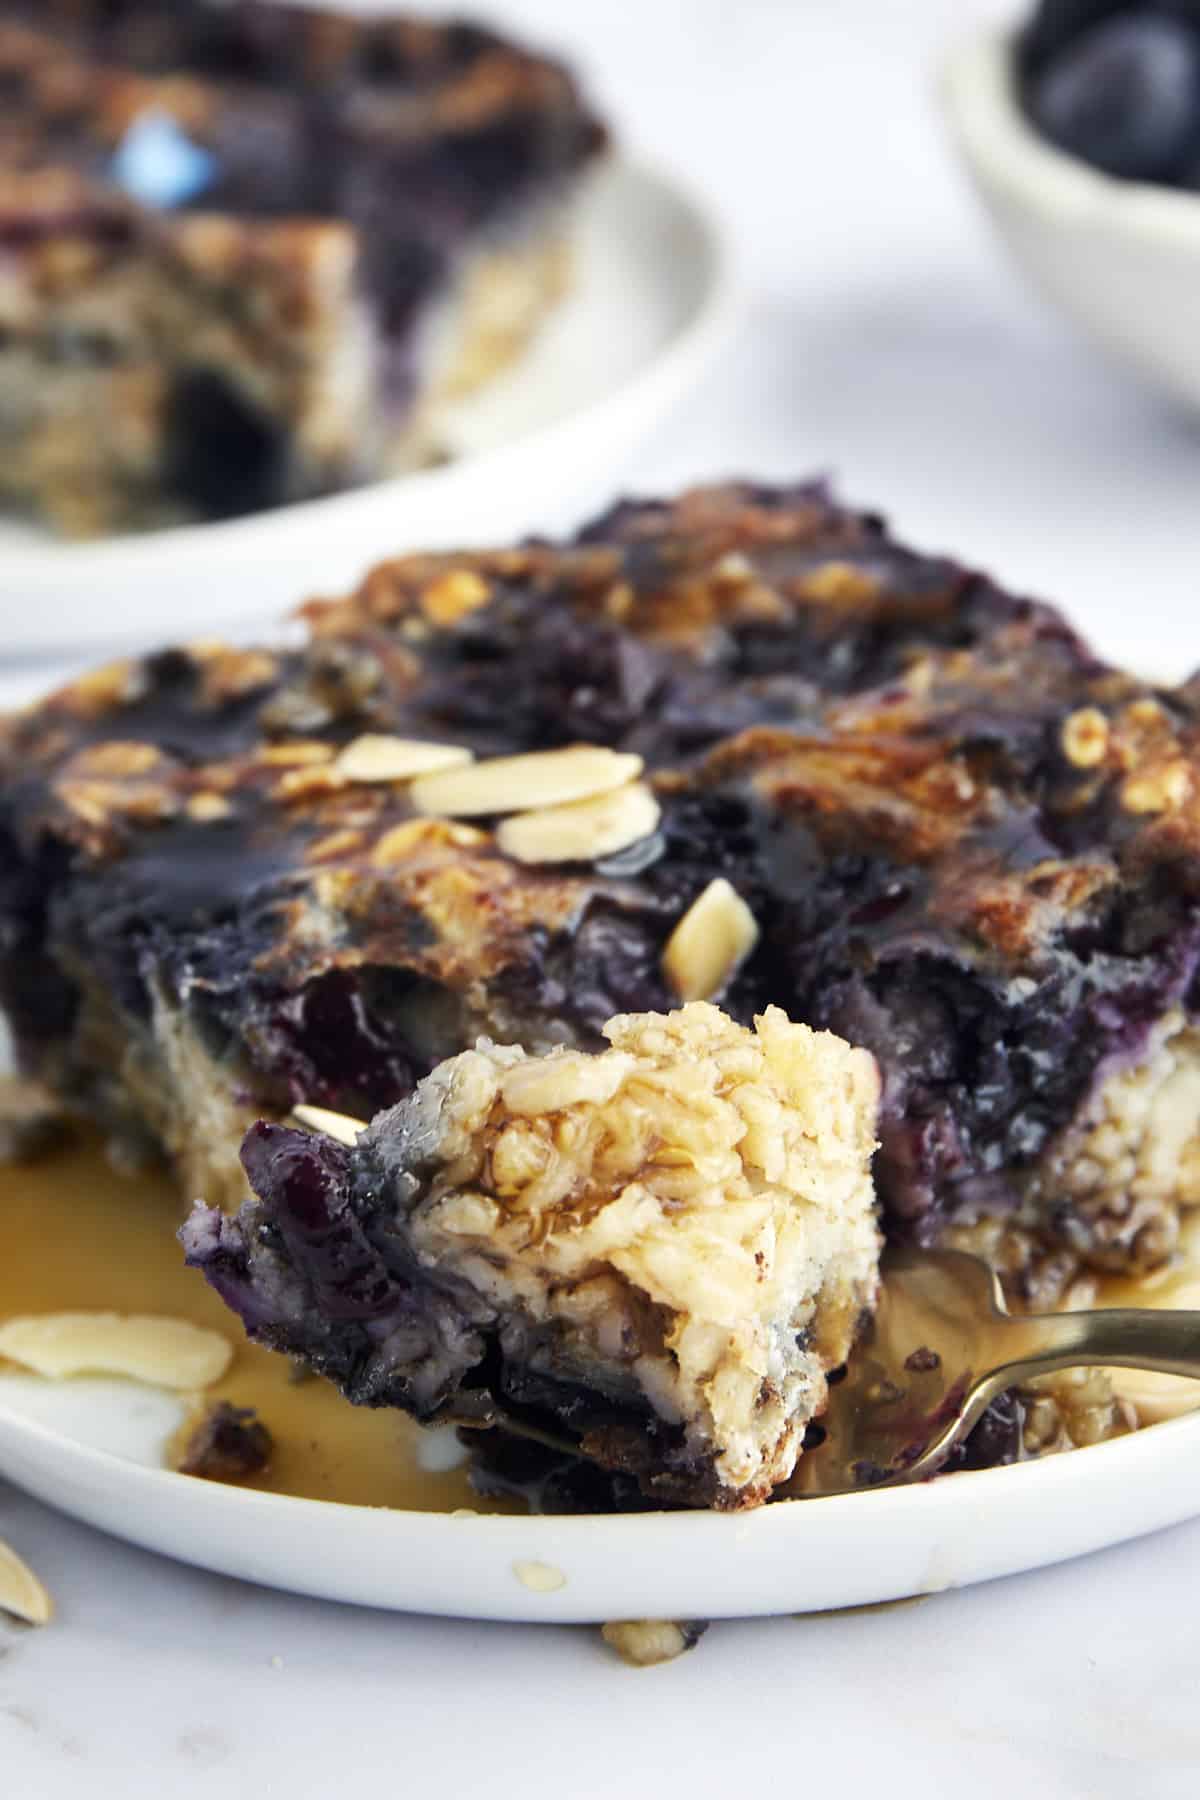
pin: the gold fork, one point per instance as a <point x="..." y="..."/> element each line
<point x="942" y="1346"/>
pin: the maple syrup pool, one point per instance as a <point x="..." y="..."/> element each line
<point x="75" y="1234"/>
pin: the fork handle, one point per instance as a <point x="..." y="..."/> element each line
<point x="1129" y="1337"/>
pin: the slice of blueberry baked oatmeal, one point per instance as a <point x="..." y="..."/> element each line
<point x="739" y="747"/>
<point x="250" y="250"/>
<point x="655" y="1253"/>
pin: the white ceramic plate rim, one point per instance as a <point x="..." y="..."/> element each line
<point x="226" y="546"/>
<point x="790" y="1557"/>
<point x="977" y="89"/>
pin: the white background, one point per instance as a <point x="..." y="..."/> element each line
<point x="885" y="340"/>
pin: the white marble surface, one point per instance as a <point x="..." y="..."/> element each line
<point x="885" y="340"/>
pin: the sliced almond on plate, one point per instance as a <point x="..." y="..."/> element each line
<point x="21" y="1593"/>
<point x="714" y="937"/>
<point x="509" y="784"/>
<point x="583" y="830"/>
<point x="334" y="1124"/>
<point x="166" y="1352"/>
<point x="376" y="757"/>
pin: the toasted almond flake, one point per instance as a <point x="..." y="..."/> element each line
<point x="301" y="753"/>
<point x="166" y="1352"/>
<point x="307" y="783"/>
<point x="840" y="584"/>
<point x="377" y="757"/>
<point x="539" y="1577"/>
<point x="103" y="689"/>
<point x="88" y="800"/>
<point x="453" y="595"/>
<point x="232" y="673"/>
<point x="334" y="1124"/>
<point x="337" y="843"/>
<point x="21" y="1593"/>
<point x="711" y="941"/>
<point x="583" y="830"/>
<point x="421" y="837"/>
<point x="508" y="784"/>
<point x="1147" y="714"/>
<point x="207" y="808"/>
<point x="644" y="1642"/>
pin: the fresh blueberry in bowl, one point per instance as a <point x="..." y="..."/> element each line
<point x="1123" y="94"/>
<point x="1081" y="133"/>
<point x="1056" y="24"/>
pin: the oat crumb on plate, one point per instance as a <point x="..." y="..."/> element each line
<point x="643" y="1642"/>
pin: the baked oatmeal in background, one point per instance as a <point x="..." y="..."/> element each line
<point x="250" y="250"/>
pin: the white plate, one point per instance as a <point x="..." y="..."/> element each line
<point x="652" y="302"/>
<point x="798" y="1556"/>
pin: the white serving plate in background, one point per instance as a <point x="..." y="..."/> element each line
<point x="652" y="302"/>
<point x="797" y="1556"/>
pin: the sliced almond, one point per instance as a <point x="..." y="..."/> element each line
<point x="375" y="757"/>
<point x="509" y="784"/>
<point x="714" y="937"/>
<point x="21" y="1593"/>
<point x="170" y="1353"/>
<point x="583" y="830"/>
<point x="334" y="1124"/>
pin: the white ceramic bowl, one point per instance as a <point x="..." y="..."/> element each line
<point x="1121" y="258"/>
